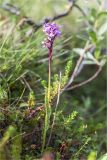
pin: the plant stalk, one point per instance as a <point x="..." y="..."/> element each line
<point x="47" y="100"/>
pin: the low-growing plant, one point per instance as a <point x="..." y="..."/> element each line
<point x="39" y="119"/>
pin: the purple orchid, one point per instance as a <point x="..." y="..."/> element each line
<point x="52" y="31"/>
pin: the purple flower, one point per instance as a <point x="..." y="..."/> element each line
<point x="52" y="30"/>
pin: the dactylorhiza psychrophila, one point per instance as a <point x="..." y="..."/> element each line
<point x="52" y="31"/>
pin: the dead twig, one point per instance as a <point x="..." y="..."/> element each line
<point x="34" y="112"/>
<point x="10" y="8"/>
<point x="86" y="81"/>
<point x="74" y="74"/>
<point x="36" y="26"/>
<point x="26" y="20"/>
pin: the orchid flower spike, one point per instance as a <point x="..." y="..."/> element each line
<point x="52" y="31"/>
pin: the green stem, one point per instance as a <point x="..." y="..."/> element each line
<point x="47" y="103"/>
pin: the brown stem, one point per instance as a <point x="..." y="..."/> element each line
<point x="38" y="25"/>
<point x="86" y="81"/>
<point x="86" y="48"/>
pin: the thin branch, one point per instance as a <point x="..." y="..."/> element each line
<point x="83" y="13"/>
<point x="26" y="83"/>
<point x="63" y="14"/>
<point x="10" y="8"/>
<point x="86" y="48"/>
<point x="36" y="26"/>
<point x="80" y="9"/>
<point x="21" y="134"/>
<point x="14" y="10"/>
<point x="86" y="81"/>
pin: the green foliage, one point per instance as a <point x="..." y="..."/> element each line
<point x="31" y="99"/>
<point x="104" y="157"/>
<point x="6" y="136"/>
<point x="4" y="152"/>
<point x="16" y="147"/>
<point x="3" y="95"/>
<point x="92" y="156"/>
<point x="70" y="118"/>
<point x="28" y="116"/>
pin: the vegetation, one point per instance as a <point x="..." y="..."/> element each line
<point x="53" y="108"/>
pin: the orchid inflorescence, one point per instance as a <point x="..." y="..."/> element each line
<point x="52" y="31"/>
